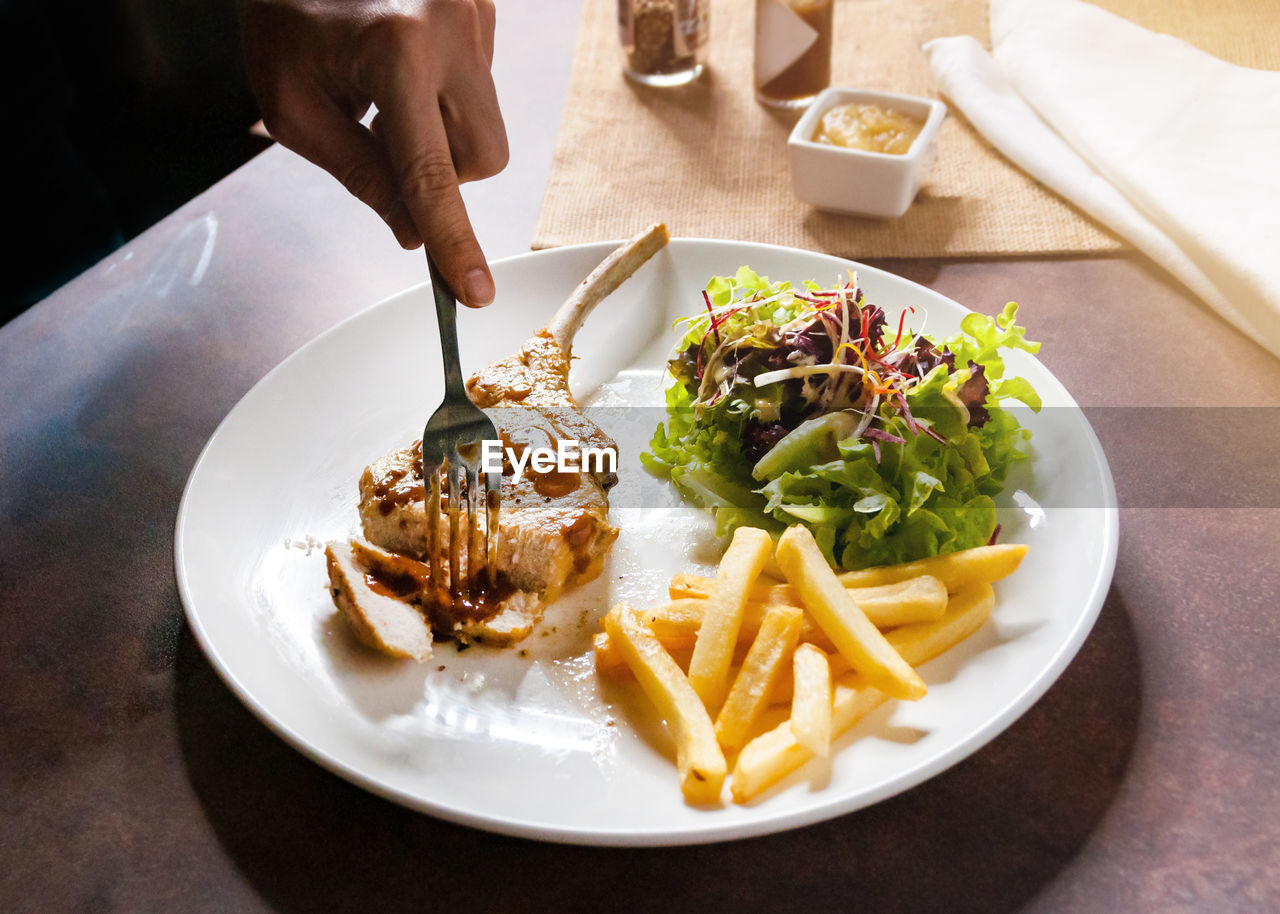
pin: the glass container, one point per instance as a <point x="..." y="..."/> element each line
<point x="793" y="51"/>
<point x="663" y="41"/>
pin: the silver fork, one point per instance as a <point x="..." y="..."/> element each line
<point x="451" y="443"/>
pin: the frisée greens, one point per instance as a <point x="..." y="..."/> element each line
<point x="806" y="405"/>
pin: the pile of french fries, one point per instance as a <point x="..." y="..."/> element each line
<point x="833" y="646"/>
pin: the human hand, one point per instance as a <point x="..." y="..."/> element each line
<point x="316" y="67"/>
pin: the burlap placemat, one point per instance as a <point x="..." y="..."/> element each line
<point x="711" y="162"/>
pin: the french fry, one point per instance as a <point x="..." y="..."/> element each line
<point x="839" y="616"/>
<point x="773" y="755"/>
<point x="958" y="571"/>
<point x="676" y="623"/>
<point x="611" y="662"/>
<point x="966" y="613"/>
<point x="750" y="692"/>
<point x="783" y="692"/>
<point x="698" y="757"/>
<point x="811" y="700"/>
<point x="914" y="599"/>
<point x="718" y="634"/>
<point x="907" y="640"/>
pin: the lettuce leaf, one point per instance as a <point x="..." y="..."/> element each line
<point x="867" y="503"/>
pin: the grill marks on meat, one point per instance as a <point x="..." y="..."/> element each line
<point x="553" y="532"/>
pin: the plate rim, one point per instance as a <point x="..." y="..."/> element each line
<point x="1008" y="713"/>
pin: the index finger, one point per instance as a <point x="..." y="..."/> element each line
<point x="419" y="150"/>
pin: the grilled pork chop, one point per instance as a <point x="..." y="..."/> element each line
<point x="553" y="527"/>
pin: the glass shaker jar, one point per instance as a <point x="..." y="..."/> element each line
<point x="663" y="41"/>
<point x="793" y="51"/>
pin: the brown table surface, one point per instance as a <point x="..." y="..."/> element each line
<point x="132" y="779"/>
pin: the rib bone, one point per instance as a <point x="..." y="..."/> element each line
<point x="610" y="274"/>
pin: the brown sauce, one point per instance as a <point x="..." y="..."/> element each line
<point x="550" y="484"/>
<point x="413" y="585"/>
<point x="811" y="72"/>
<point x="399" y="487"/>
<point x="390" y="496"/>
<point x="554" y="484"/>
<point x="397" y="587"/>
<point x="485" y="600"/>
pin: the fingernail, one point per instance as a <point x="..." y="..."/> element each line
<point x="479" y="289"/>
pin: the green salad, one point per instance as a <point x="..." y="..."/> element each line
<point x="805" y="405"/>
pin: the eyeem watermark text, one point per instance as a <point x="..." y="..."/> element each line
<point x="568" y="456"/>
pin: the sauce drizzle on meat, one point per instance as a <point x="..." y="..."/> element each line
<point x="411" y="584"/>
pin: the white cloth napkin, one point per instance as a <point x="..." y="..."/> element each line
<point x="1172" y="148"/>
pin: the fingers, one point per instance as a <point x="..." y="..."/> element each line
<point x="477" y="135"/>
<point x="478" y="147"/>
<point x="317" y="129"/>
<point x="422" y="160"/>
<point x="426" y="66"/>
<point x="440" y="120"/>
<point x="469" y="101"/>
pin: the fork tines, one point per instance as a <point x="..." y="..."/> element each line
<point x="471" y="506"/>
<point x="451" y="444"/>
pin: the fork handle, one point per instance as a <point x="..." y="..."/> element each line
<point x="447" y="315"/>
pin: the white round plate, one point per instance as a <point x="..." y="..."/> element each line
<point x="527" y="741"/>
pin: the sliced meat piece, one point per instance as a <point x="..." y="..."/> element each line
<point x="389" y="602"/>
<point x="384" y="622"/>
<point x="520" y="612"/>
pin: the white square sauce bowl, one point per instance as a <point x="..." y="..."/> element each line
<point x="856" y="181"/>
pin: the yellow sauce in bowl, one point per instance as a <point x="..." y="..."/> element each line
<point x="869" y="127"/>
